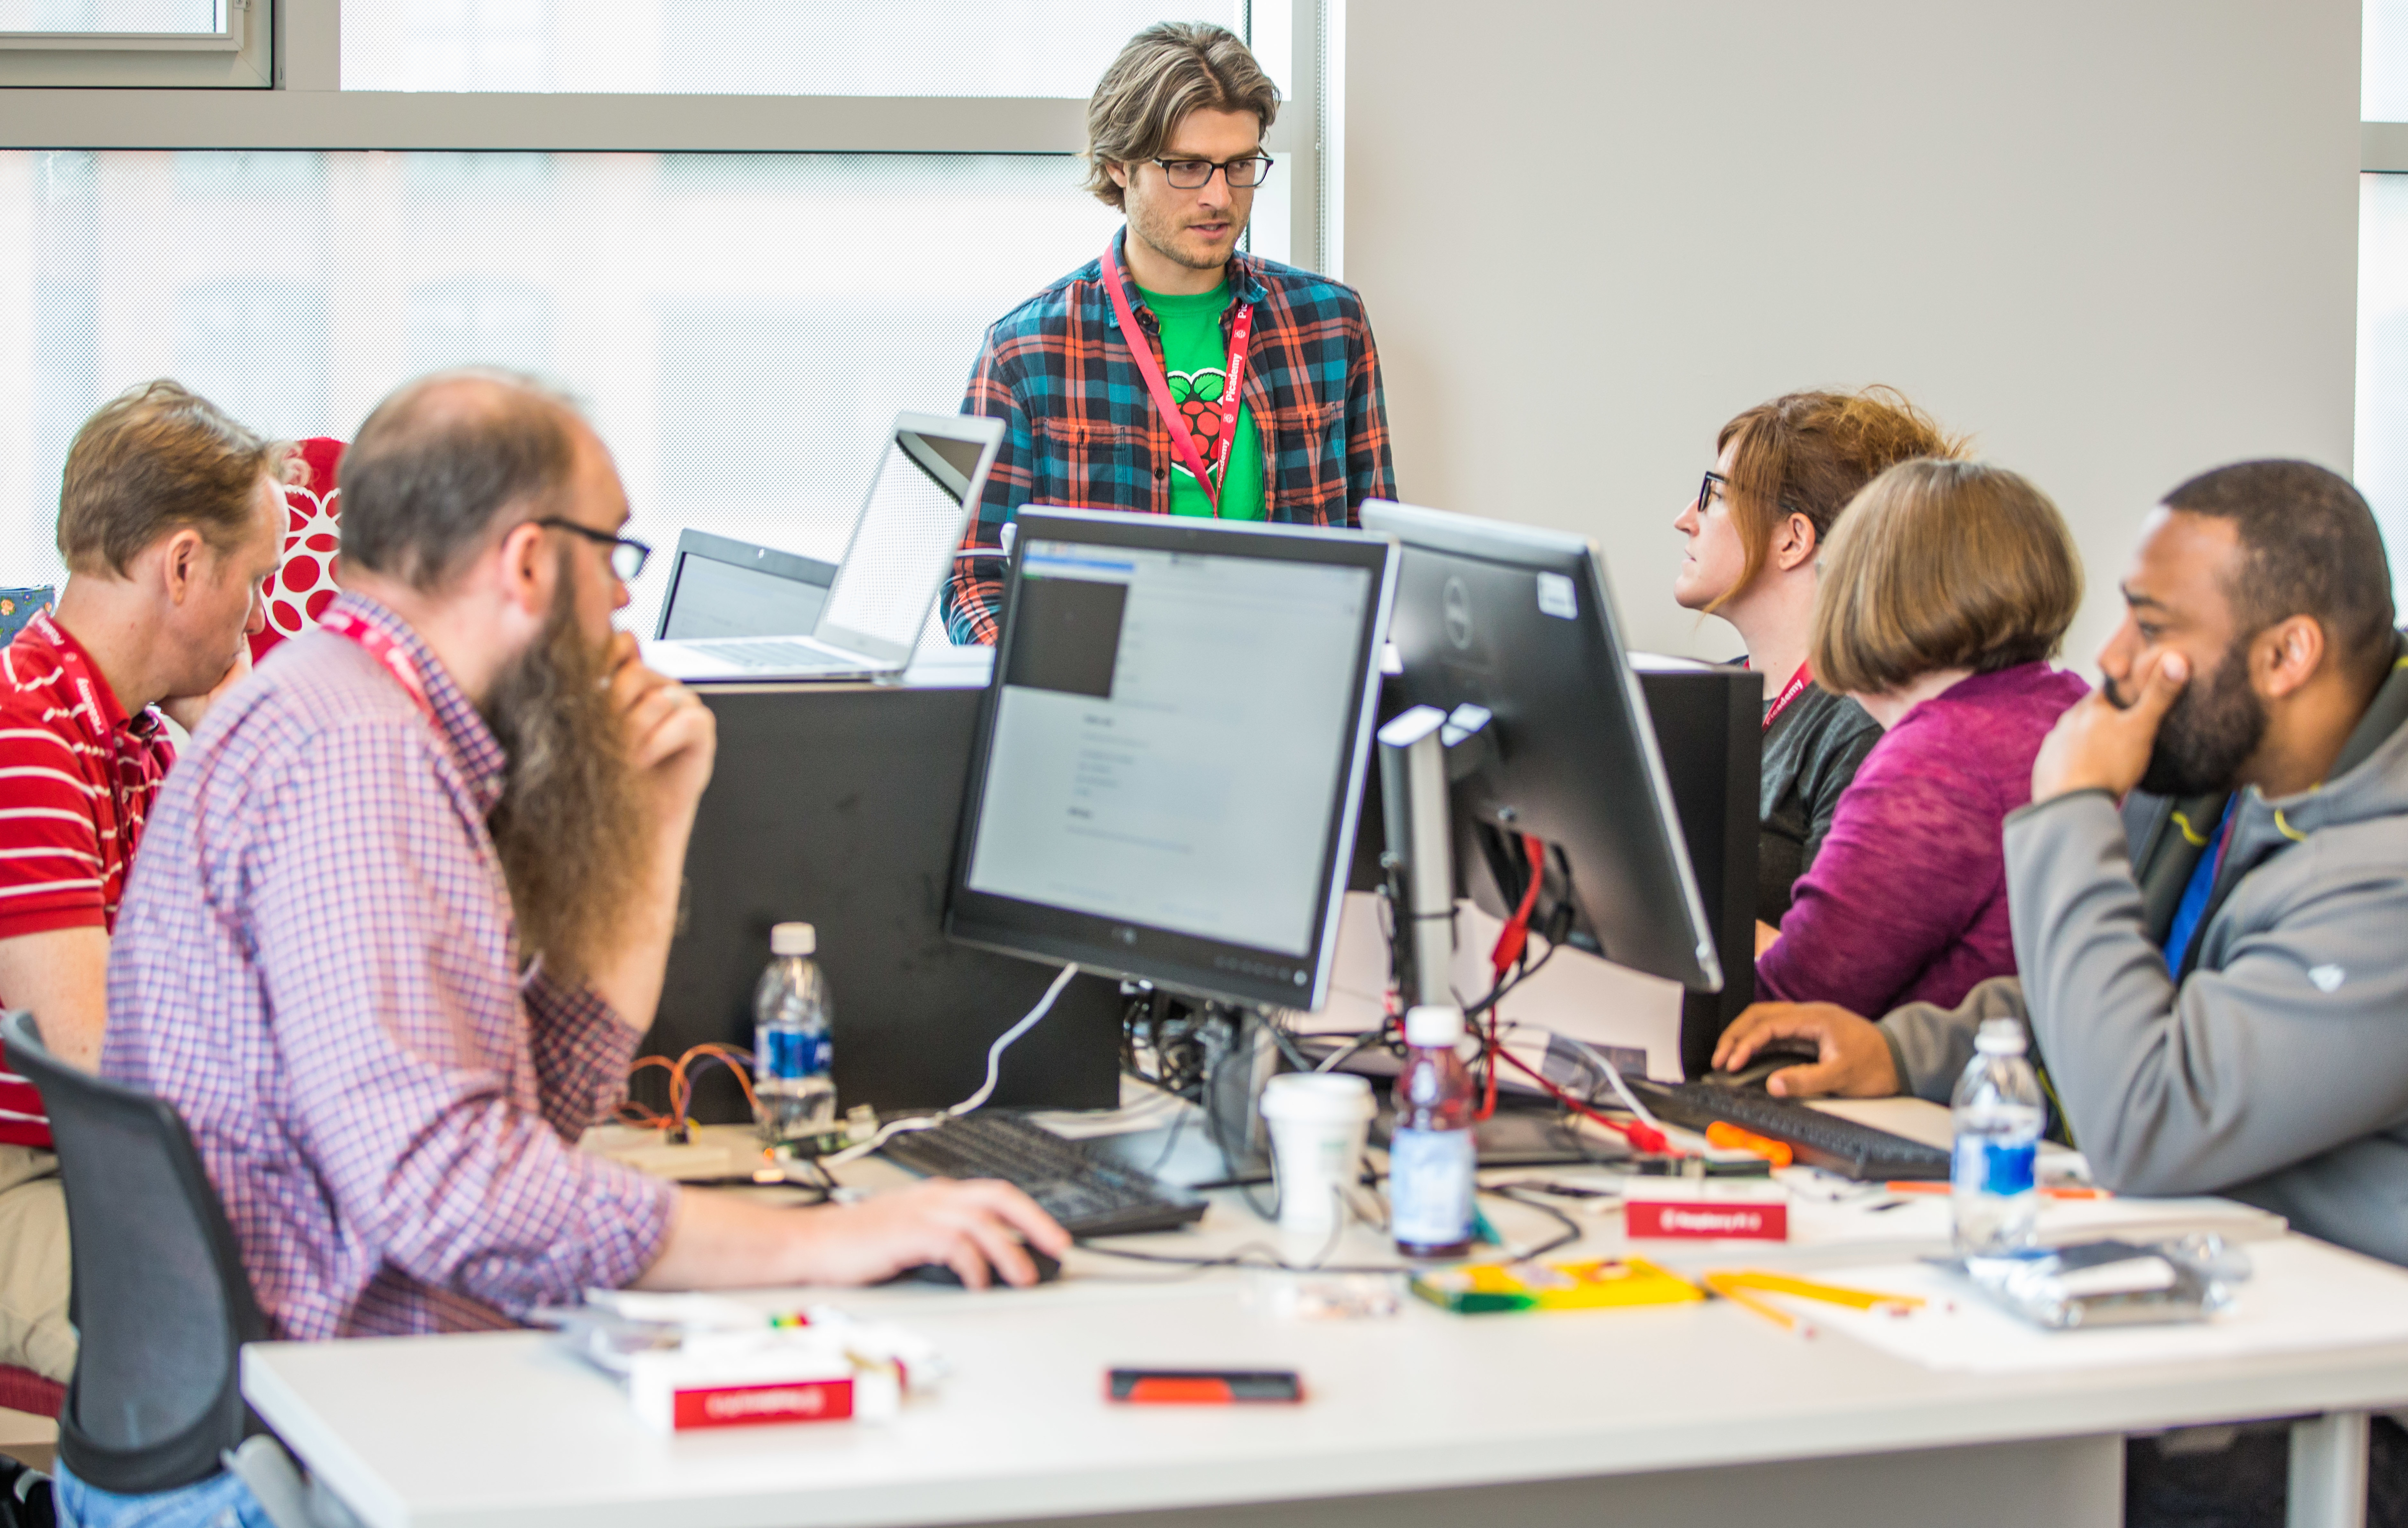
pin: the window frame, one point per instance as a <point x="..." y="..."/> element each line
<point x="130" y="98"/>
<point x="237" y="57"/>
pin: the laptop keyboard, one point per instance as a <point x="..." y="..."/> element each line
<point x="746" y="653"/>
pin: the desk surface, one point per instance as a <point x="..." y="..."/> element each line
<point x="506" y="1429"/>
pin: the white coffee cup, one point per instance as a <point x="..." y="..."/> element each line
<point x="1318" y="1123"/>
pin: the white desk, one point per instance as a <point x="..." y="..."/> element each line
<point x="1699" y="1414"/>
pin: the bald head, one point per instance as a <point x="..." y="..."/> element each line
<point x="451" y="462"/>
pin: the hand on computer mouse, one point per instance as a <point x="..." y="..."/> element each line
<point x="1852" y="1060"/>
<point x="969" y="1227"/>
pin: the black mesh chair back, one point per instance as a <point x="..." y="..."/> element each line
<point x="160" y="1304"/>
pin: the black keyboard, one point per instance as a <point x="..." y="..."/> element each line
<point x="1817" y="1138"/>
<point x="1089" y="1196"/>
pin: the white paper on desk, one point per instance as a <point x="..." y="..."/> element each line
<point x="1578" y="994"/>
<point x="2303" y="1297"/>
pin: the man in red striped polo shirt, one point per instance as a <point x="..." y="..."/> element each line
<point x="171" y="517"/>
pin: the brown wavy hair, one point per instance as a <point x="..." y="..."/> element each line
<point x="1166" y="71"/>
<point x="1809" y="453"/>
<point x="152" y="461"/>
<point x="1942" y="565"/>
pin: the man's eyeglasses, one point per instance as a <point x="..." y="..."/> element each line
<point x="1245" y="172"/>
<point x="627" y="555"/>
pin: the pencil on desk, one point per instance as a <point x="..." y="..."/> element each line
<point x="1738" y="1296"/>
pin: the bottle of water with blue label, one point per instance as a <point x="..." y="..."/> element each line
<point x="2000" y="1116"/>
<point x="794" y="1091"/>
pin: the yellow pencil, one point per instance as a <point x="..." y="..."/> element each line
<point x="1766" y="1282"/>
<point x="1738" y="1295"/>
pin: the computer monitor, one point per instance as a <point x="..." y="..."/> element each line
<point x="1172" y="749"/>
<point x="1519" y="621"/>
<point x="722" y="587"/>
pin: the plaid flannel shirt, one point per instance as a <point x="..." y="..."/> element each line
<point x="1080" y="428"/>
<point x="317" y="965"/>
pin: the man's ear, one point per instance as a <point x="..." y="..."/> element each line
<point x="182" y="562"/>
<point x="526" y="575"/>
<point x="2287" y="655"/>
<point x="1118" y="171"/>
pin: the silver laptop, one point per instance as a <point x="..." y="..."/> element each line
<point x="929" y="477"/>
<point x="721" y="586"/>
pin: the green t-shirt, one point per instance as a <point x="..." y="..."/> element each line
<point x="1192" y="359"/>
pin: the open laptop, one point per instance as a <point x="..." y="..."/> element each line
<point x="722" y="587"/>
<point x="928" y="482"/>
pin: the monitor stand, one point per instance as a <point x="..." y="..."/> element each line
<point x="1240" y="1055"/>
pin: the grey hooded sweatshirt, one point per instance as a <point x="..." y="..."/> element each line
<point x="2276" y="1071"/>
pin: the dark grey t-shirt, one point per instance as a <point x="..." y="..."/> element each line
<point x="1809" y="755"/>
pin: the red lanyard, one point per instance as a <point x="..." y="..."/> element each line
<point x="1795" y="688"/>
<point x="385" y="649"/>
<point x="1232" y="390"/>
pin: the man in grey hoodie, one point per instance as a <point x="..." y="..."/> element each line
<point x="2215" y="977"/>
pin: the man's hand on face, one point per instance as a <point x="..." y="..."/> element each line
<point x="672" y="737"/>
<point x="1852" y="1060"/>
<point x="2097" y="745"/>
<point x="186" y="711"/>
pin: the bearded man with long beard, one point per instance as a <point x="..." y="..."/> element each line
<point x="406" y="905"/>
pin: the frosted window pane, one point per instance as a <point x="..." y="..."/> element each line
<point x="190" y="16"/>
<point x="1045" y="47"/>
<point x="2383" y="94"/>
<point x="743" y="328"/>
<point x="2381" y="466"/>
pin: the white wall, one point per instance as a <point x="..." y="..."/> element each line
<point x="2114" y="239"/>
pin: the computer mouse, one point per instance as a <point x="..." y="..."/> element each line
<point x="1774" y="1057"/>
<point x="943" y="1276"/>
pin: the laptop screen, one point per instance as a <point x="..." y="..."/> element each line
<point x="743" y="591"/>
<point x="902" y="548"/>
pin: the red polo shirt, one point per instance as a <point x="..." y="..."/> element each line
<point x="77" y="776"/>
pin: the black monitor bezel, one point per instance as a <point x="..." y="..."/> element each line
<point x="1166" y="958"/>
<point x="735" y="554"/>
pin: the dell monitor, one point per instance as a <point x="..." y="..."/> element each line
<point x="1171" y="752"/>
<point x="1518" y="623"/>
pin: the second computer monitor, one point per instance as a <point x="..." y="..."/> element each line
<point x="1518" y="621"/>
<point x="1173" y="752"/>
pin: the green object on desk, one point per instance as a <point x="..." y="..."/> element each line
<point x="1482" y="1231"/>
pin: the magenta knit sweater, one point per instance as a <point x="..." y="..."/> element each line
<point x="1908" y="900"/>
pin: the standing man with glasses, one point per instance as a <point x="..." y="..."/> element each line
<point x="1176" y="374"/>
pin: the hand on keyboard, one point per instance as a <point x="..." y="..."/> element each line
<point x="1854" y="1060"/>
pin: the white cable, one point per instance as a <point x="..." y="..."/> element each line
<point x="1612" y="1075"/>
<point x="993" y="1066"/>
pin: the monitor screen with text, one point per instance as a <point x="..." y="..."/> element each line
<point x="1169" y="737"/>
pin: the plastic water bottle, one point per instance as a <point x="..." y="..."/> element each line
<point x="793" y="1088"/>
<point x="1432" y="1159"/>
<point x="1998" y="1120"/>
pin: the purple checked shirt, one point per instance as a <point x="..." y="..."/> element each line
<point x="316" y="963"/>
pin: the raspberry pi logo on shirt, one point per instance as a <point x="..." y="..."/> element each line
<point x="1197" y="394"/>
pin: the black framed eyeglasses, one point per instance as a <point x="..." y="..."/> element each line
<point x="627" y="555"/>
<point x="1706" y="494"/>
<point x="1706" y="490"/>
<point x="1245" y="173"/>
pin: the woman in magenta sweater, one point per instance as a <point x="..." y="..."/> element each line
<point x="1948" y="588"/>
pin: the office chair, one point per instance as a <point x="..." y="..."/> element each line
<point x="159" y="1297"/>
